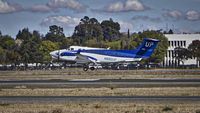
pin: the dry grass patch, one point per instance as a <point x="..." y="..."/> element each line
<point x="167" y="91"/>
<point x="78" y="73"/>
<point x="102" y="107"/>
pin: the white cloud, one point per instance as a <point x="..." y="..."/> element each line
<point x="71" y="4"/>
<point x="54" y="5"/>
<point x="40" y="8"/>
<point x="152" y="27"/>
<point x="193" y="15"/>
<point x="5" y="7"/>
<point x="125" y="26"/>
<point x="174" y="14"/>
<point x="64" y="21"/>
<point x="115" y="7"/>
<point x="134" y="5"/>
<point x="128" y="5"/>
<point x="147" y="18"/>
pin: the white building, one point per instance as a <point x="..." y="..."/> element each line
<point x="179" y="40"/>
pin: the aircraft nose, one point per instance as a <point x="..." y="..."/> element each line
<point x="54" y="53"/>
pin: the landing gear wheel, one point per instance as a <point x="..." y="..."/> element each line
<point x="92" y="68"/>
<point x="85" y="68"/>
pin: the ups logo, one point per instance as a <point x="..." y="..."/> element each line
<point x="149" y="44"/>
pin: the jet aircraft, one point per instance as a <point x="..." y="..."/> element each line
<point x="95" y="56"/>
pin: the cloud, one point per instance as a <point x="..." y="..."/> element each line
<point x="190" y="15"/>
<point x="40" y="8"/>
<point x="55" y="5"/>
<point x="174" y="14"/>
<point x="70" y="4"/>
<point x="125" y="26"/>
<point x="6" y="7"/>
<point x="115" y="7"/>
<point x="64" y="21"/>
<point x="151" y="27"/>
<point x="147" y="18"/>
<point x="193" y="15"/>
<point x="128" y="5"/>
<point x="51" y="6"/>
<point x="134" y="5"/>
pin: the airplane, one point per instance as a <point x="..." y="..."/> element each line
<point x="68" y="55"/>
<point x="95" y="56"/>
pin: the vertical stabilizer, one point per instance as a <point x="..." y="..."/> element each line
<point x="147" y="47"/>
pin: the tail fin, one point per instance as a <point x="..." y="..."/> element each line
<point x="147" y="47"/>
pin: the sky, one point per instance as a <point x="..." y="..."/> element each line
<point x="135" y="15"/>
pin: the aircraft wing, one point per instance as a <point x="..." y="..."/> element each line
<point x="85" y="58"/>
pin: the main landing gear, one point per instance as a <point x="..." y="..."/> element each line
<point x="86" y="67"/>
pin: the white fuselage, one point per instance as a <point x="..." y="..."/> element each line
<point x="110" y="59"/>
<point x="57" y="55"/>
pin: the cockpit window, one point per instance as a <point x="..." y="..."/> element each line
<point x="72" y="49"/>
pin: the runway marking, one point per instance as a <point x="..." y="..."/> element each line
<point x="57" y="99"/>
<point x="82" y="80"/>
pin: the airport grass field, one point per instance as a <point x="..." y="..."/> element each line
<point x="155" y="91"/>
<point x="101" y="106"/>
<point x="78" y="73"/>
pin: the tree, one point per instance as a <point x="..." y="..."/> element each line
<point x="10" y="55"/>
<point x="88" y="29"/>
<point x="110" y="29"/>
<point x="194" y="47"/>
<point x="85" y="20"/>
<point x="29" y="48"/>
<point x="182" y="54"/>
<point x="170" y="31"/>
<point x="36" y="42"/>
<point x="128" y="34"/>
<point x="114" y="44"/>
<point x="24" y="34"/>
<point x="7" y="42"/>
<point x="66" y="42"/>
<point x="55" y="34"/>
<point x="46" y="47"/>
<point x="36" y="37"/>
<point x="125" y="42"/>
<point x="2" y="56"/>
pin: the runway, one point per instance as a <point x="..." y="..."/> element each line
<point x="63" y="99"/>
<point x="97" y="83"/>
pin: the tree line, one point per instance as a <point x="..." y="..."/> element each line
<point x="192" y="51"/>
<point x="33" y="47"/>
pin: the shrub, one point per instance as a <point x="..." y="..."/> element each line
<point x="167" y="108"/>
<point x="97" y="106"/>
<point x="57" y="111"/>
<point x="4" y="104"/>
<point x="198" y="111"/>
<point x="43" y="112"/>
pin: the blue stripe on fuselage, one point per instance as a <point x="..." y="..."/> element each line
<point x="114" y="53"/>
<point x="67" y="54"/>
